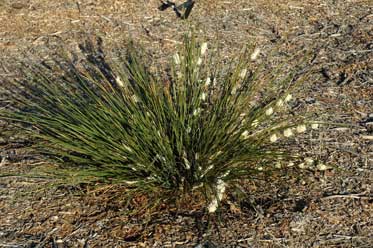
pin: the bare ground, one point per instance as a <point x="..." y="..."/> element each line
<point x="333" y="208"/>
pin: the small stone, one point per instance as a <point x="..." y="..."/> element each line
<point x="310" y="100"/>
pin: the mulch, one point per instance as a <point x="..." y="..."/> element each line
<point x="330" y="208"/>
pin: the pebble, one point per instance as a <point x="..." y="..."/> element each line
<point x="310" y="100"/>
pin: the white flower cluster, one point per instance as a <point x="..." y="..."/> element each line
<point x="301" y="128"/>
<point x="322" y="167"/>
<point x="208" y="81"/>
<point x="269" y="111"/>
<point x="203" y="48"/>
<point x="245" y="134"/>
<point x="255" y="123"/>
<point x="315" y="126"/>
<point x="288" y="98"/>
<point x="281" y="102"/>
<point x="213" y="206"/>
<point x="255" y="54"/>
<point x="220" y="189"/>
<point x="177" y="59"/>
<point x="197" y="111"/>
<point x="243" y="73"/>
<point x="307" y="163"/>
<point x="203" y="51"/>
<point x="119" y="81"/>
<point x="288" y="132"/>
<point x="273" y="138"/>
<point x="186" y="161"/>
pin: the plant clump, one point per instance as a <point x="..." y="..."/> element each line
<point x="201" y="127"/>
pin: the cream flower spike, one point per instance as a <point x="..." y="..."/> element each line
<point x="203" y="48"/>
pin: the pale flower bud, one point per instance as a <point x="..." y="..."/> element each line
<point x="234" y="90"/>
<point x="214" y="83"/>
<point x="208" y="81"/>
<point x="280" y="103"/>
<point x="203" y="48"/>
<point x="177" y="59"/>
<point x="189" y="129"/>
<point x="288" y="132"/>
<point x="302" y="166"/>
<point x="301" y="128"/>
<point x="322" y="167"/>
<point x="226" y="173"/>
<point x="127" y="148"/>
<point x="315" y="126"/>
<point x="186" y="161"/>
<point x="269" y="111"/>
<point x="255" y="54"/>
<point x="199" y="61"/>
<point x="245" y="134"/>
<point x="255" y="123"/>
<point x="273" y="138"/>
<point x="288" y="98"/>
<point x="135" y="98"/>
<point x="119" y="81"/>
<point x="130" y="182"/>
<point x="220" y="188"/>
<point x="243" y="73"/>
<point x="309" y="161"/>
<point x="203" y="96"/>
<point x="196" y="112"/>
<point x="213" y="206"/>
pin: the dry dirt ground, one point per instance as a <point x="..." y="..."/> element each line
<point x="333" y="208"/>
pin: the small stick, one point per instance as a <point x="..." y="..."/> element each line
<point x="354" y="196"/>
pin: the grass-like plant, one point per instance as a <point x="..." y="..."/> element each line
<point x="198" y="128"/>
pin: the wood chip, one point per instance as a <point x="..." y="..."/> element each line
<point x="367" y="137"/>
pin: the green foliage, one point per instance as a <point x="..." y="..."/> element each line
<point x="195" y="129"/>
